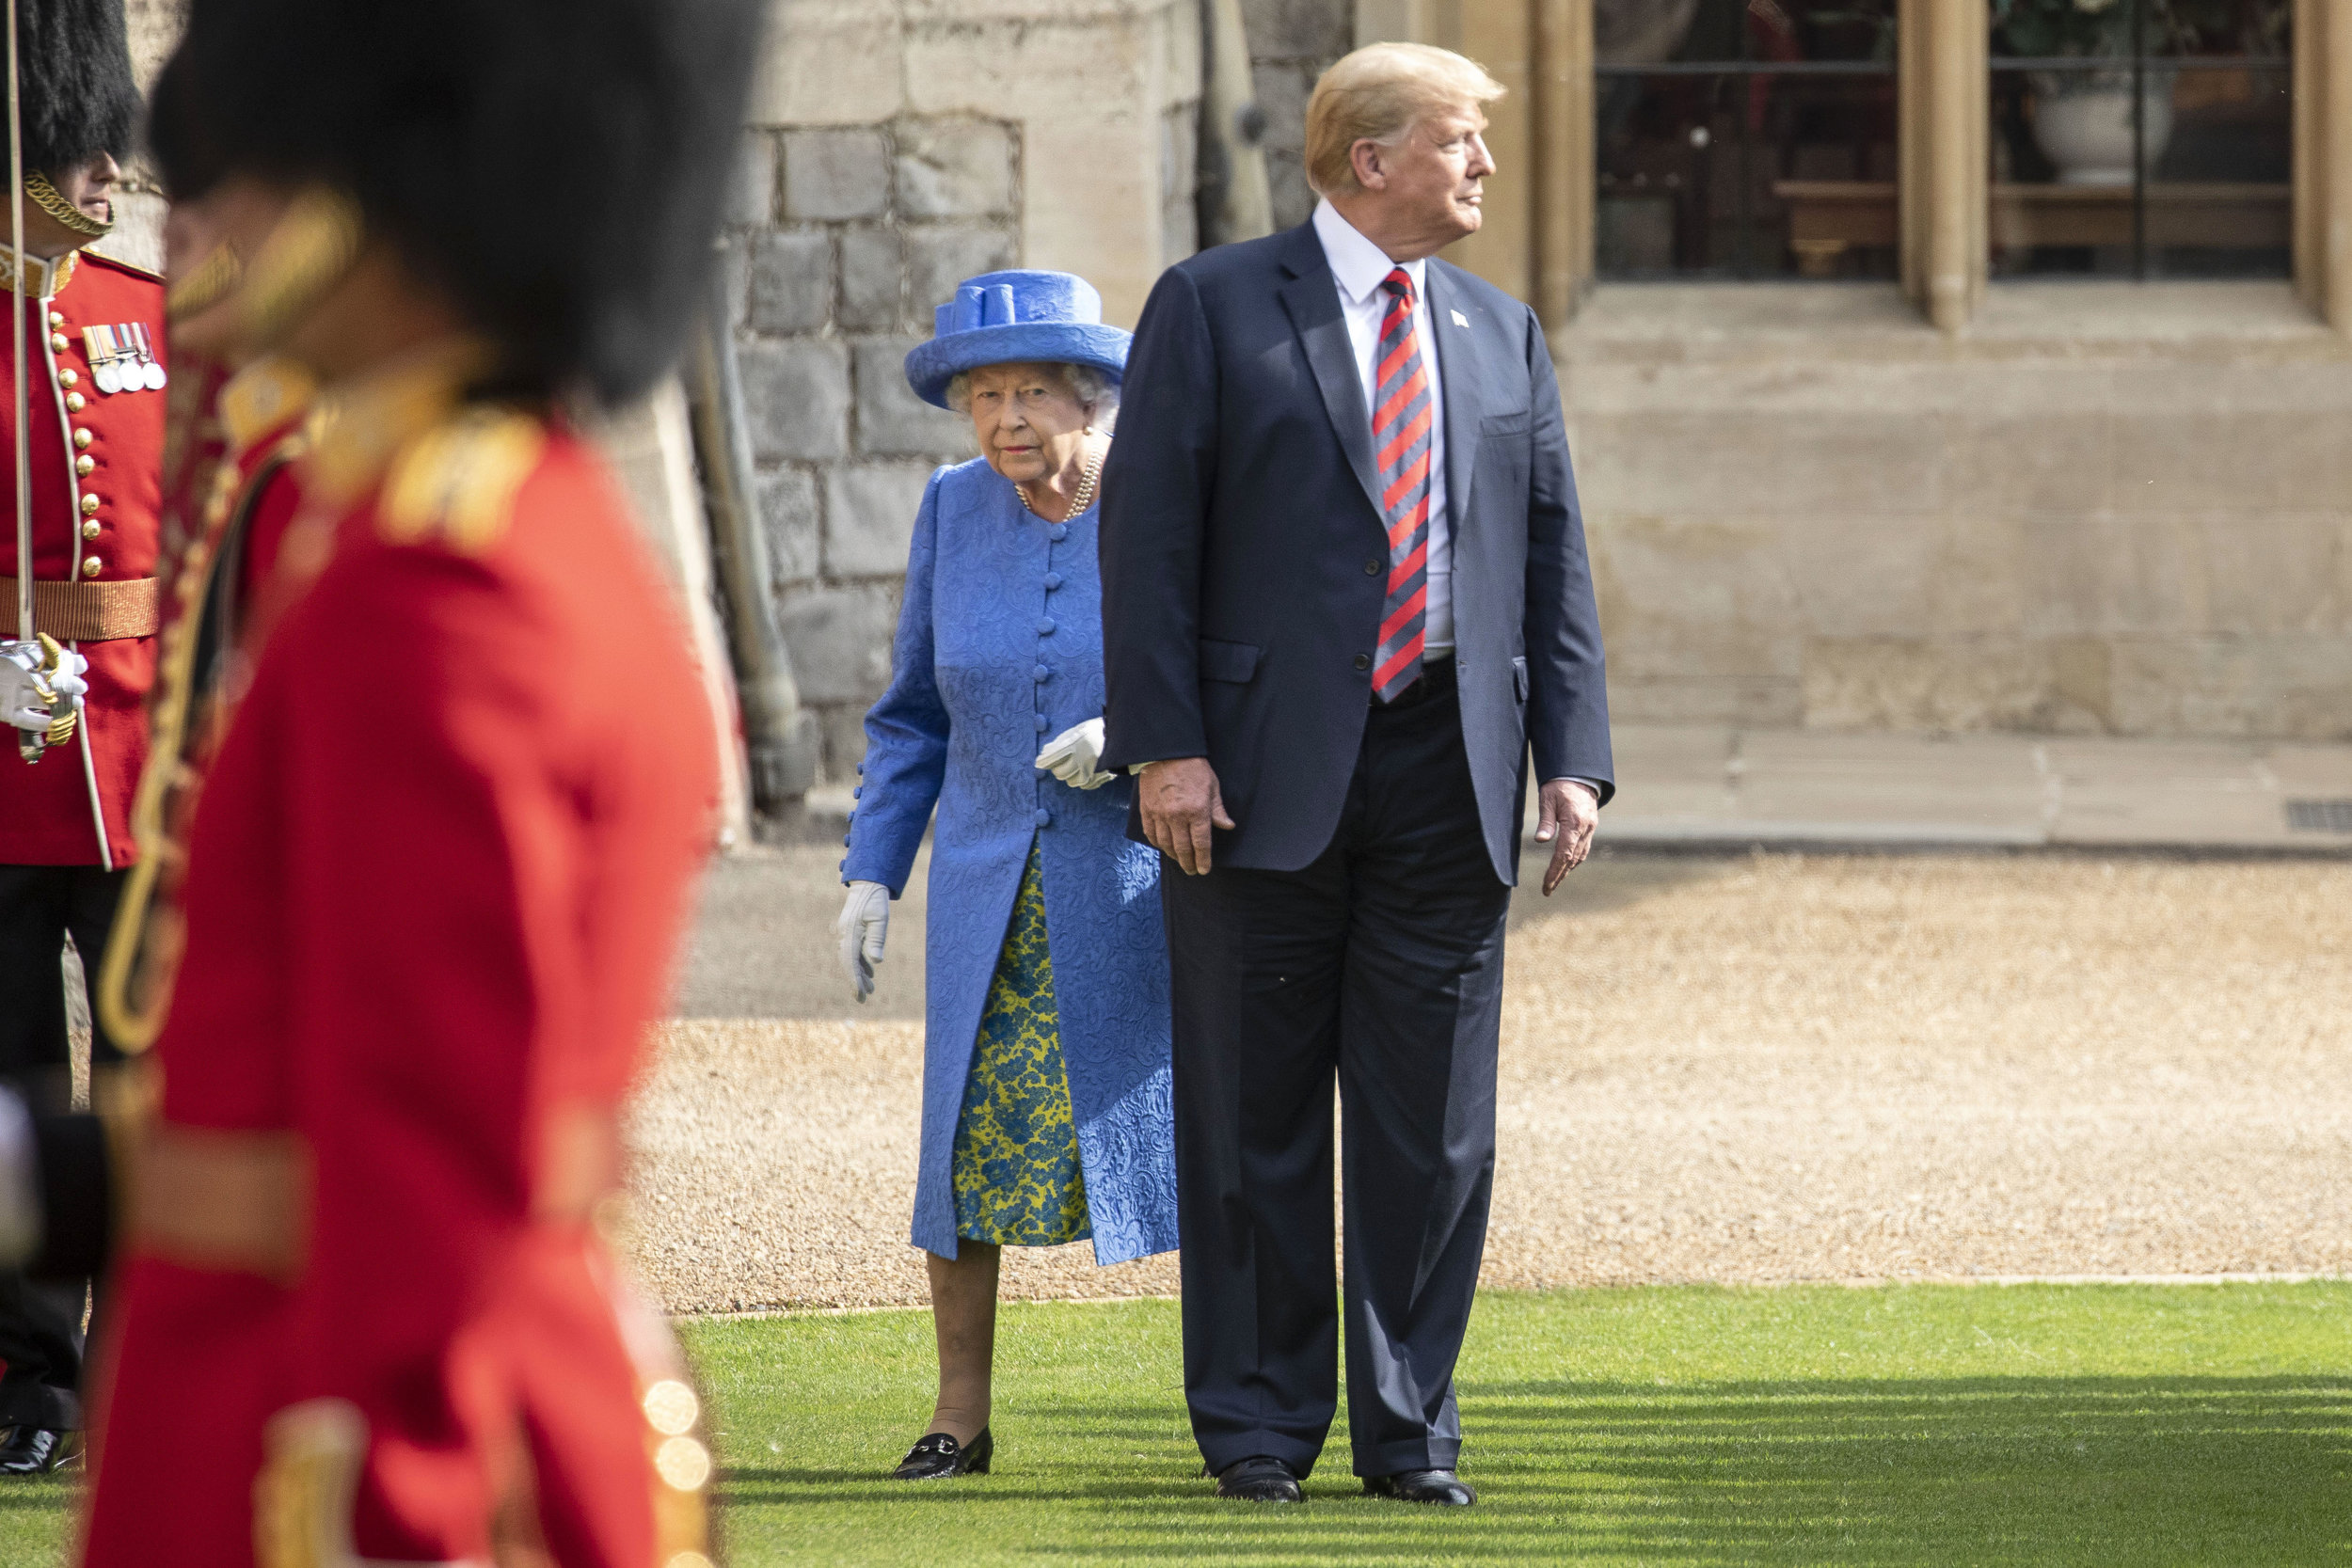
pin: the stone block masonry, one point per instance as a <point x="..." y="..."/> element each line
<point x="897" y="147"/>
<point x="861" y="232"/>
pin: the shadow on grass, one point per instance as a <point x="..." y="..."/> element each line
<point x="2088" y="1469"/>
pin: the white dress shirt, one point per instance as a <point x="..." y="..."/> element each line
<point x="1358" y="267"/>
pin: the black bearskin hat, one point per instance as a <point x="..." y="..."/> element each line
<point x="556" y="165"/>
<point x="73" y="67"/>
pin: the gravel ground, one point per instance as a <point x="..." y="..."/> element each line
<point x="1738" y="1070"/>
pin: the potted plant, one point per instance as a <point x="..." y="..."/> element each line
<point x="2083" y="118"/>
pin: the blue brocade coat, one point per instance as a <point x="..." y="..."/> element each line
<point x="1000" y="649"/>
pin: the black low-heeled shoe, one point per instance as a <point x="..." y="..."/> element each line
<point x="39" y="1450"/>
<point x="938" y="1456"/>
<point x="1442" y="1488"/>
<point x="1261" y="1479"/>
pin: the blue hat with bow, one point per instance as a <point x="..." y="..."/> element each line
<point x="1021" y="317"/>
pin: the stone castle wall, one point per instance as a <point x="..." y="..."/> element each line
<point x="2105" y="509"/>
<point x="899" y="146"/>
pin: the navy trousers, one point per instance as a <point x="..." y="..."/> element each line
<point x="41" y="1321"/>
<point x="1380" y="965"/>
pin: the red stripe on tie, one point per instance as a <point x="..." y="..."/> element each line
<point x="1416" y="476"/>
<point x="1388" y="367"/>
<point x="1406" y="524"/>
<point x="1404" y="656"/>
<point x="1403" y="613"/>
<point x="1406" y="567"/>
<point x="1387" y="411"/>
<point x="1414" y="430"/>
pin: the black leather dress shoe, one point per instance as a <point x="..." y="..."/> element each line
<point x="938" y="1456"/>
<point x="1442" y="1488"/>
<point x="38" y="1450"/>
<point x="1260" y="1479"/>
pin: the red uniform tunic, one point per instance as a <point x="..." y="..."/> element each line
<point x="234" y="491"/>
<point x="435" y="878"/>
<point x="97" y="471"/>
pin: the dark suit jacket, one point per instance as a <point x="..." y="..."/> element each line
<point x="1245" y="560"/>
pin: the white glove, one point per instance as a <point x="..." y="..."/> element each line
<point x="864" y="927"/>
<point x="26" y="691"/>
<point x="1075" y="755"/>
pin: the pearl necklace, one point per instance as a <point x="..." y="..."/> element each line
<point x="1079" y="502"/>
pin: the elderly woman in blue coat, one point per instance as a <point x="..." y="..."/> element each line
<point x="1046" y="1109"/>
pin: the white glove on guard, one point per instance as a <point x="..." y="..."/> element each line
<point x="864" y="928"/>
<point x="1075" y="755"/>
<point x="25" y="690"/>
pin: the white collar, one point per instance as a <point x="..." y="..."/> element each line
<point x="1358" y="265"/>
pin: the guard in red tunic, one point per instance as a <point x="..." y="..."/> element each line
<point x="96" y="392"/>
<point x="442" y="852"/>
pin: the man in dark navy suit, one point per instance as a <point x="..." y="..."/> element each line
<point x="1344" y="594"/>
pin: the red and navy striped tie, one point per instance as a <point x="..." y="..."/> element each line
<point x="1401" y="416"/>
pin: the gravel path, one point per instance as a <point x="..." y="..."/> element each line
<point x="1747" y="1070"/>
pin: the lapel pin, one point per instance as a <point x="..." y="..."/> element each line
<point x="1459" y="319"/>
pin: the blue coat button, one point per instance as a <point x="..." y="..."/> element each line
<point x="845" y="866"/>
<point x="1053" y="580"/>
<point x="1045" y="626"/>
<point x="1041" y="723"/>
<point x="1059" y="532"/>
<point x="845" y="841"/>
<point x="1041" y="673"/>
<point x="1043" y="816"/>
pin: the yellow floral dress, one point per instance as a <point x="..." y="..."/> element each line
<point x="1017" y="1178"/>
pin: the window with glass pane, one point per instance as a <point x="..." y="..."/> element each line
<point x="1745" y="138"/>
<point x="2142" y="138"/>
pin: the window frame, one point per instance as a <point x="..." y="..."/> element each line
<point x="1944" y="93"/>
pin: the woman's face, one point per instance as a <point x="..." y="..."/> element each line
<point x="1029" y="424"/>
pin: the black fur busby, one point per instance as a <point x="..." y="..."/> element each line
<point x="557" y="165"/>
<point x="74" y="77"/>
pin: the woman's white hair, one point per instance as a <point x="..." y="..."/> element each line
<point x="1085" y="383"/>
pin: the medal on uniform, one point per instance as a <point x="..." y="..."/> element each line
<point x="156" y="379"/>
<point x="104" y="373"/>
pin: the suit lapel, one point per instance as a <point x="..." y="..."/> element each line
<point x="1457" y="370"/>
<point x="1312" y="300"/>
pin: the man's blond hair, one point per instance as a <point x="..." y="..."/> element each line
<point x="1378" y="94"/>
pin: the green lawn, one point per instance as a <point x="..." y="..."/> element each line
<point x="2100" y="1424"/>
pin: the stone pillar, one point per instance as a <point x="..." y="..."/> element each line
<point x="1945" y="84"/>
<point x="1564" y="153"/>
<point x="2323" y="160"/>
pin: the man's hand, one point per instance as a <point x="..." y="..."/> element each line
<point x="1181" y="803"/>
<point x="1567" y="812"/>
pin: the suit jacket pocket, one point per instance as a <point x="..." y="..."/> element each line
<point x="1228" y="662"/>
<point x="1519" y="678"/>
<point x="1518" y="422"/>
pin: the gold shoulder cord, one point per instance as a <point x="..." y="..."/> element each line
<point x="143" y="954"/>
<point x="456" y="483"/>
